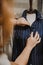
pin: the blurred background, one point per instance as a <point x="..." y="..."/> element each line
<point x="21" y="5"/>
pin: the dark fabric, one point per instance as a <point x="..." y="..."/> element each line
<point x="38" y="15"/>
<point x="21" y="33"/>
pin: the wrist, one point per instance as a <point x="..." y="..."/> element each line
<point x="29" y="48"/>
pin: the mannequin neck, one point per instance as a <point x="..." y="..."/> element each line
<point x="31" y="18"/>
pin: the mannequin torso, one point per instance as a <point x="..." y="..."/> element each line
<point x="31" y="18"/>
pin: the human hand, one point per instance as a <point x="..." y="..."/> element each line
<point x="20" y="21"/>
<point x="33" y="41"/>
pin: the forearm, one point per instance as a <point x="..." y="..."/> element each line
<point x="13" y="63"/>
<point x="24" y="56"/>
<point x="20" y="21"/>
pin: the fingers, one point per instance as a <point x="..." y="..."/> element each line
<point x="31" y="34"/>
<point x="38" y="40"/>
<point x="20" y="21"/>
<point x="36" y="37"/>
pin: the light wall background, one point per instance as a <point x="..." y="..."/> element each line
<point x="21" y="5"/>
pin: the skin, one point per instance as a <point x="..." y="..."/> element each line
<point x="9" y="21"/>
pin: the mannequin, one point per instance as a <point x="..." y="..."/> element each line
<point x="31" y="18"/>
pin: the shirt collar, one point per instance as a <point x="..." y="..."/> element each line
<point x="38" y="14"/>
